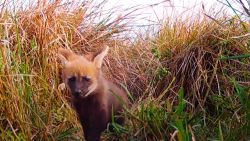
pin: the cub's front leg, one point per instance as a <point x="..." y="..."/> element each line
<point x="94" y="124"/>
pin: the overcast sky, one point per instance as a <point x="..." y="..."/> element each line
<point x="157" y="12"/>
<point x="152" y="12"/>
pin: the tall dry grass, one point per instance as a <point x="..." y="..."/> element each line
<point x="32" y="108"/>
<point x="200" y="87"/>
<point x="190" y="81"/>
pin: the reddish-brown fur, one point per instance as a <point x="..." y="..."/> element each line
<point x="94" y="110"/>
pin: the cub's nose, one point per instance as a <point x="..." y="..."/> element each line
<point x="77" y="92"/>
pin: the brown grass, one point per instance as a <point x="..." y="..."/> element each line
<point x="183" y="54"/>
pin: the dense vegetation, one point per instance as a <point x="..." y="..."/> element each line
<point x="190" y="81"/>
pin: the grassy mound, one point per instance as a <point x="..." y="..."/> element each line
<point x="202" y="84"/>
<point x="191" y="81"/>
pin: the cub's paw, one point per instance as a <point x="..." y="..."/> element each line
<point x="61" y="87"/>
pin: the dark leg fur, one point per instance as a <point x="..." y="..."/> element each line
<point x="118" y="120"/>
<point x="92" y="135"/>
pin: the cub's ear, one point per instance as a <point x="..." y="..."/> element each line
<point x="99" y="58"/>
<point x="64" y="54"/>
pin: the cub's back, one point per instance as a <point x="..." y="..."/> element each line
<point x="117" y="97"/>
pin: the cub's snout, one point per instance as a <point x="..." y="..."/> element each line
<point x="79" y="86"/>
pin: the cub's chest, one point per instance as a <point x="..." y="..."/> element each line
<point x="90" y="109"/>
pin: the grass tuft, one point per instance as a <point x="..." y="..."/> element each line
<point x="190" y="81"/>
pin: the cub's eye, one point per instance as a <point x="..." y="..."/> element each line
<point x="86" y="78"/>
<point x="72" y="79"/>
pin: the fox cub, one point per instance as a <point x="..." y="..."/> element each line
<point x="95" y="99"/>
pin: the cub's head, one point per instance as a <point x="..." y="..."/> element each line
<point x="79" y="74"/>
